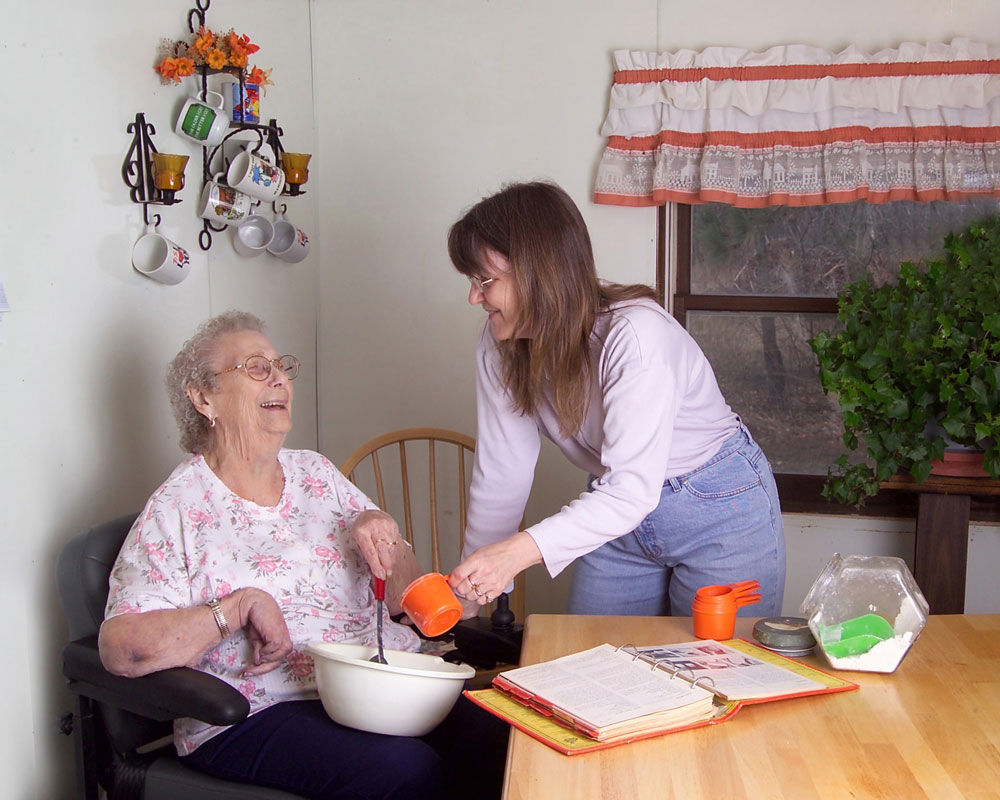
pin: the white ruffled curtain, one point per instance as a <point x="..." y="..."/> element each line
<point x="798" y="125"/>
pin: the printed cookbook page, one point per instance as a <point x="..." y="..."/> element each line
<point x="734" y="675"/>
<point x="601" y="687"/>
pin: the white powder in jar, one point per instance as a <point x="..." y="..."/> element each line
<point x="886" y="655"/>
<point x="883" y="657"/>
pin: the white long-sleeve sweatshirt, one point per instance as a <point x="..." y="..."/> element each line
<point x="655" y="412"/>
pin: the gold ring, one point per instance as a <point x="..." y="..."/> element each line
<point x="487" y="597"/>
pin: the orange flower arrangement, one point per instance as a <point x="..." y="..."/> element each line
<point x="230" y="51"/>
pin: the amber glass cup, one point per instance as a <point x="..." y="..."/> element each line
<point x="296" y="166"/>
<point x="168" y="171"/>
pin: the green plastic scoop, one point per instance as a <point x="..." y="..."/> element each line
<point x="855" y="637"/>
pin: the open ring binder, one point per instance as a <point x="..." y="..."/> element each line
<point x="569" y="703"/>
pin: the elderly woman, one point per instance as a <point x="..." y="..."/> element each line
<point x="247" y="552"/>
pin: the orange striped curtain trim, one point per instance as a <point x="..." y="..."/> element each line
<point x="754" y="141"/>
<point x="921" y="122"/>
<point x="797" y="72"/>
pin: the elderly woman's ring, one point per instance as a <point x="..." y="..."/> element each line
<point x="475" y="588"/>
<point x="487" y="597"/>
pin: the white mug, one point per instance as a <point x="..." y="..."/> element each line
<point x="221" y="203"/>
<point x="252" y="173"/>
<point x="252" y="236"/>
<point x="289" y="243"/>
<point x="156" y="257"/>
<point x="203" y="121"/>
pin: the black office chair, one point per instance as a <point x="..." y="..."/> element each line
<point x="118" y="719"/>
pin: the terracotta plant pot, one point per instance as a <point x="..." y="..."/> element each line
<point x="967" y="464"/>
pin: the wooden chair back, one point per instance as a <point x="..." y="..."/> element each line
<point x="423" y="473"/>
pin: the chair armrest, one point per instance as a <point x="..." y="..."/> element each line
<point x="164" y="695"/>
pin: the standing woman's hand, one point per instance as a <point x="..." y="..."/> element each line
<point x="377" y="536"/>
<point x="488" y="571"/>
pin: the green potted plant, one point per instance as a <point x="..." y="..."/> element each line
<point x="917" y="363"/>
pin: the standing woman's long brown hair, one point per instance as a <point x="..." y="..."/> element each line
<point x="540" y="231"/>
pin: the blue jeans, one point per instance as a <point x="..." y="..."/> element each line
<point x="718" y="524"/>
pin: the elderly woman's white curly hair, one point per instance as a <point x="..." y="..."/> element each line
<point x="195" y="365"/>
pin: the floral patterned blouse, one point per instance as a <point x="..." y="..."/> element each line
<point x="196" y="540"/>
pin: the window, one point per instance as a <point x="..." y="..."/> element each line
<point x="754" y="285"/>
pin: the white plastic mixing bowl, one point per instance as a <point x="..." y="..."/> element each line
<point x="409" y="696"/>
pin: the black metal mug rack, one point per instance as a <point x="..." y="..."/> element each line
<point x="269" y="135"/>
<point x="137" y="170"/>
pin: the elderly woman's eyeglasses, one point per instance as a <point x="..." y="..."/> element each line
<point x="259" y="367"/>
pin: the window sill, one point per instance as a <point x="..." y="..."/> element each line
<point x="802" y="494"/>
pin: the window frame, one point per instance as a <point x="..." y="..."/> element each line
<point x="799" y="493"/>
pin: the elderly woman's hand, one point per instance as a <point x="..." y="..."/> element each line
<point x="377" y="536"/>
<point x="266" y="630"/>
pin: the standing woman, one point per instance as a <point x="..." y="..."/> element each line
<point x="680" y="495"/>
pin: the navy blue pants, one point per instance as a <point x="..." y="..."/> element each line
<point x="296" y="747"/>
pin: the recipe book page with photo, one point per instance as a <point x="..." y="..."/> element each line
<point x="731" y="674"/>
<point x="605" y="693"/>
<point x="584" y="701"/>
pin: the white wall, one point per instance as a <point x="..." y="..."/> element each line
<point x="86" y="430"/>
<point x="421" y="108"/>
<point x="433" y="105"/>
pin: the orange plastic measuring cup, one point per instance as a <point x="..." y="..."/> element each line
<point x="713" y="612"/>
<point x="431" y="604"/>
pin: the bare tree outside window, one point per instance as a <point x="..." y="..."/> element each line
<point x="758" y="283"/>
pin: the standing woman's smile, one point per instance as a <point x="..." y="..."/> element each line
<point x="497" y="294"/>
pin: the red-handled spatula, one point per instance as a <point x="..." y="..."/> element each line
<point x="379" y="657"/>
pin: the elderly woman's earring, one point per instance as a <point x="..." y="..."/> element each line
<point x="211" y="422"/>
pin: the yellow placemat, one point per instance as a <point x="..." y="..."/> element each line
<point x="557" y="736"/>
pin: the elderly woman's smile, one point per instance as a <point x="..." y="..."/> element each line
<point x="243" y="401"/>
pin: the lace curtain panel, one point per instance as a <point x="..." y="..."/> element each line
<point x="798" y="125"/>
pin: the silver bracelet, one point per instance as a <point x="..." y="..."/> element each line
<point x="220" y="618"/>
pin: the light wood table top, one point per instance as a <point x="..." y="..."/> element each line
<point x="929" y="730"/>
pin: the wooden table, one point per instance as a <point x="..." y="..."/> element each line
<point x="930" y="730"/>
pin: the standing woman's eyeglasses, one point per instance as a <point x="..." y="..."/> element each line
<point x="482" y="284"/>
<point x="259" y="368"/>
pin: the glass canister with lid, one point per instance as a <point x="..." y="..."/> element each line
<point x="865" y="612"/>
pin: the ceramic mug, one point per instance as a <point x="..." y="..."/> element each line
<point x="431" y="604"/>
<point x="156" y="257"/>
<point x="289" y="243"/>
<point x="246" y="109"/>
<point x="252" y="173"/>
<point x="221" y="203"/>
<point x="252" y="236"/>
<point x="203" y="120"/>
